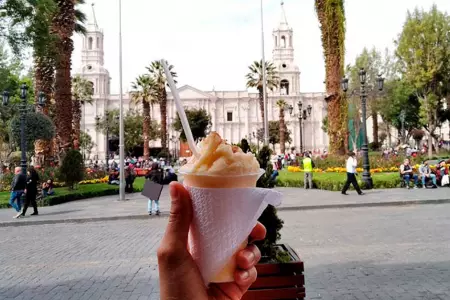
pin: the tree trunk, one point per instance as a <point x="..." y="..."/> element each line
<point x="63" y="92"/>
<point x="430" y="145"/>
<point x="146" y="128"/>
<point x="44" y="78"/>
<point x="375" y="127"/>
<point x="388" y="127"/>
<point x="63" y="25"/>
<point x="76" y="115"/>
<point x="331" y="18"/>
<point x="163" y="109"/>
<point x="261" y="105"/>
<point x="437" y="144"/>
<point x="282" y="132"/>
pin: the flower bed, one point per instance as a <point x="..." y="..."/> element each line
<point x="334" y="181"/>
<point x="358" y="170"/>
<point x="343" y="170"/>
<point x="90" y="177"/>
<point x="63" y="195"/>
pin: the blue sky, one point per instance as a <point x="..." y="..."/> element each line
<point x="212" y="42"/>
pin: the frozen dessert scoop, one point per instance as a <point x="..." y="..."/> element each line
<point x="219" y="158"/>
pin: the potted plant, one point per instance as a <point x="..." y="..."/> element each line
<point x="280" y="271"/>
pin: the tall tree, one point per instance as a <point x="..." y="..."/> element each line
<point x="400" y="96"/>
<point x="64" y="24"/>
<point x="274" y="133"/>
<point x="371" y="61"/>
<point x="282" y="106"/>
<point x="331" y="17"/>
<point x="82" y="92"/>
<point x="423" y="48"/>
<point x="133" y="128"/>
<point x="199" y="120"/>
<point x="144" y="93"/>
<point x="159" y="77"/>
<point x="255" y="80"/>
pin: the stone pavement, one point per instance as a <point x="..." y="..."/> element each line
<point x="108" y="208"/>
<point x="382" y="253"/>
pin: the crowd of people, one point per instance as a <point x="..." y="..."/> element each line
<point x="425" y="176"/>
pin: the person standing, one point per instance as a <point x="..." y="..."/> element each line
<point x="156" y="177"/>
<point x="308" y="166"/>
<point x="31" y="191"/>
<point x="351" y="174"/>
<point x="18" y="186"/>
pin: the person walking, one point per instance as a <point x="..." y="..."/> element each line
<point x="31" y="191"/>
<point x="18" y="185"/>
<point x="308" y="166"/>
<point x="351" y="174"/>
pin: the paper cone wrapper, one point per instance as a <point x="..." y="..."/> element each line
<point x="223" y="220"/>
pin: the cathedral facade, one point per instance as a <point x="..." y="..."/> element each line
<point x="234" y="114"/>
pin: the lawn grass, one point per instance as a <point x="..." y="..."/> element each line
<point x="335" y="181"/>
<point x="285" y="175"/>
<point x="88" y="189"/>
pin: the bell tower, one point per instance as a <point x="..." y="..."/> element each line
<point x="92" y="57"/>
<point x="283" y="56"/>
<point x="93" y="70"/>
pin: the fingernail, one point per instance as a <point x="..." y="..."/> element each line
<point x="250" y="256"/>
<point x="244" y="275"/>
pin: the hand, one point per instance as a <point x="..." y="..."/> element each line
<point x="178" y="274"/>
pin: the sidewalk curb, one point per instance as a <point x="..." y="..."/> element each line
<point x="291" y="208"/>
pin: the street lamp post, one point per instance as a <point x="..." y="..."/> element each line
<point x="302" y="115"/>
<point x="263" y="69"/>
<point x="23" y="108"/>
<point x="366" y="178"/>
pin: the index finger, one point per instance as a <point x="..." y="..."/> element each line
<point x="258" y="233"/>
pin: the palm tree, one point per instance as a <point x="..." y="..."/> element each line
<point x="144" y="92"/>
<point x="332" y="25"/>
<point x="255" y="80"/>
<point x="64" y="23"/>
<point x="159" y="77"/>
<point x="282" y="106"/>
<point x="82" y="92"/>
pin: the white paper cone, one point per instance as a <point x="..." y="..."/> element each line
<point x="223" y="219"/>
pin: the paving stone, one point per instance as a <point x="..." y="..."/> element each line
<point x="361" y="253"/>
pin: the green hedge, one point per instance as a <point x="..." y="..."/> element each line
<point x="336" y="181"/>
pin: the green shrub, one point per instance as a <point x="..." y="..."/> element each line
<point x="38" y="127"/>
<point x="269" y="217"/>
<point x="72" y="168"/>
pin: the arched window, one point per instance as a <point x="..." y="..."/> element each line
<point x="290" y="41"/>
<point x="283" y="41"/>
<point x="98" y="43"/>
<point x="284" y="87"/>
<point x="90" y="41"/>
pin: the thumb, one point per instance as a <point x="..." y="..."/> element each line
<point x="180" y="215"/>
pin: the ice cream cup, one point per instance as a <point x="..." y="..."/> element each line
<point x="227" y="181"/>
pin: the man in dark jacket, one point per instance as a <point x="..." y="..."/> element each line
<point x="18" y="186"/>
